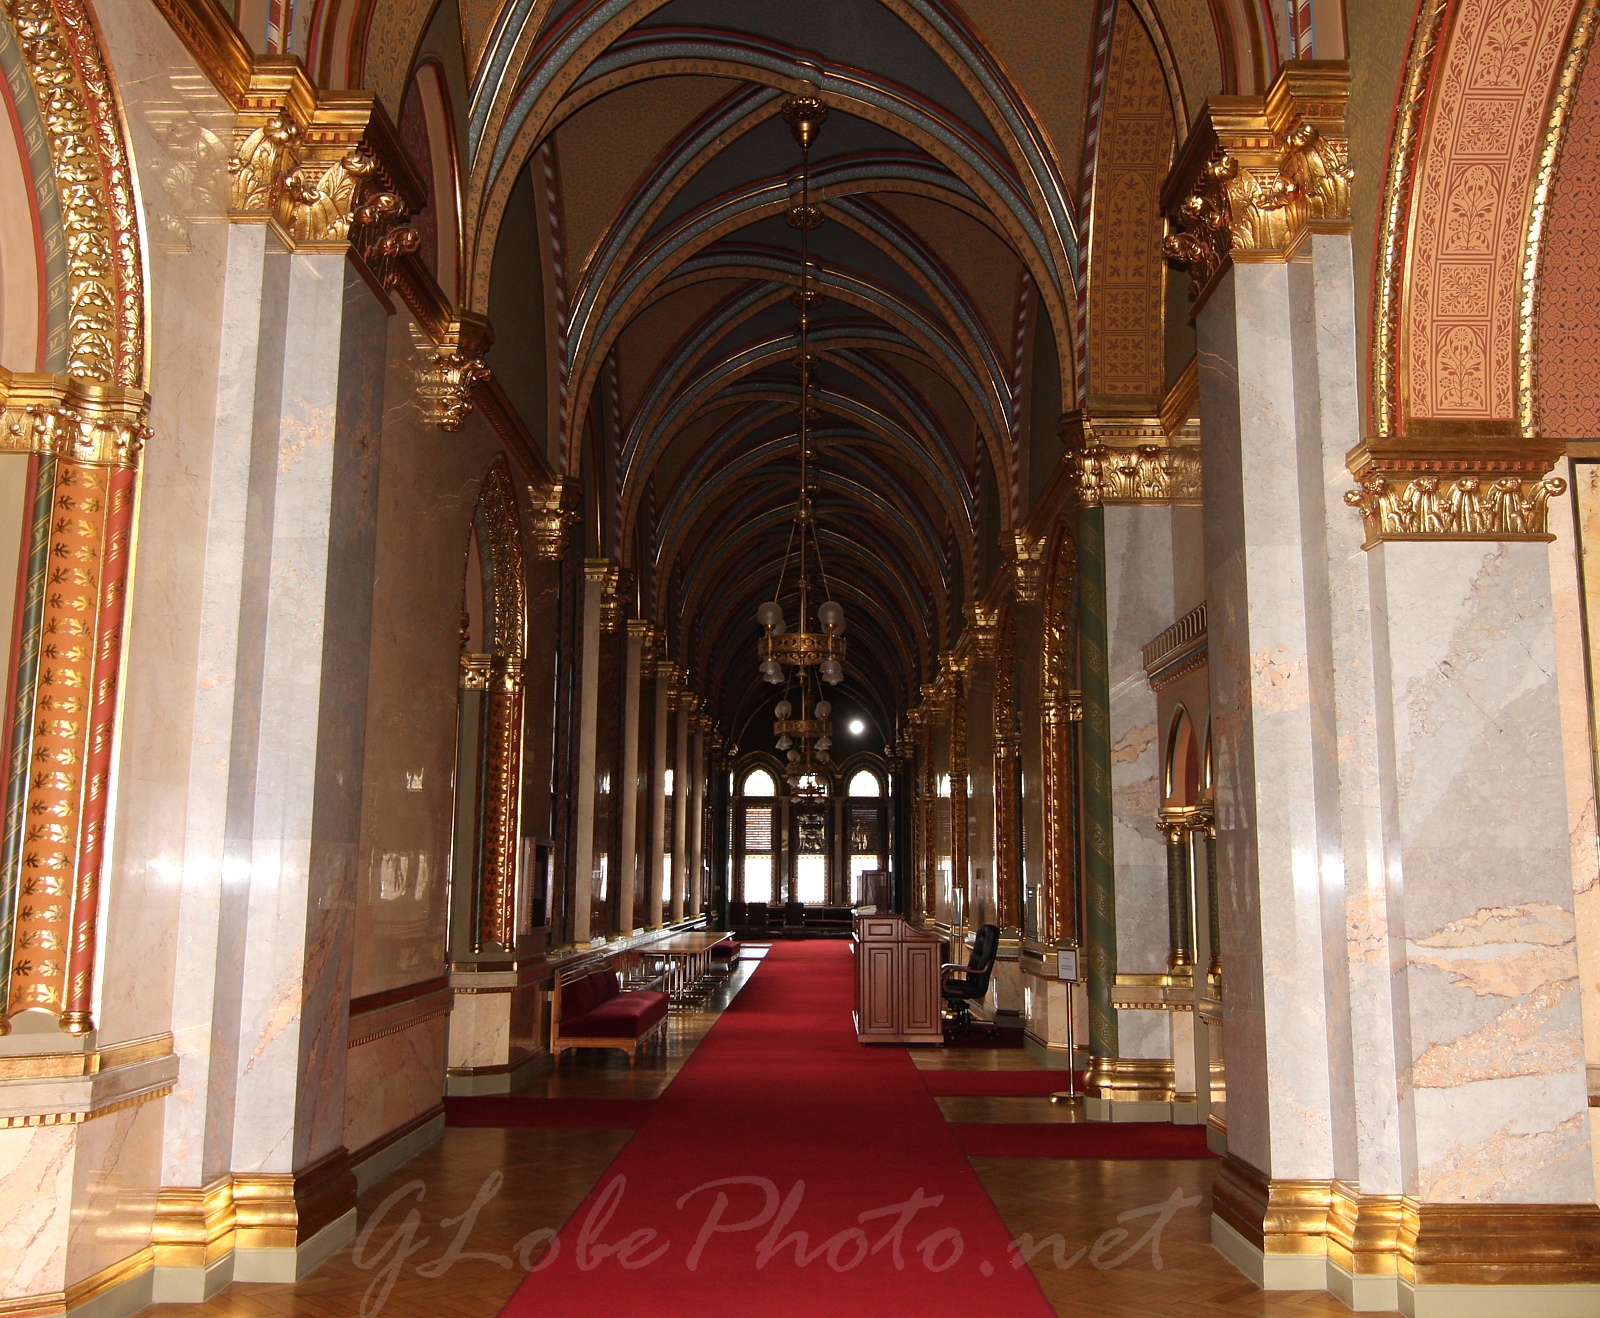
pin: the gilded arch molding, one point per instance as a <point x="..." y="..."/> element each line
<point x="1455" y="450"/>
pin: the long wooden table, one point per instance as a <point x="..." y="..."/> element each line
<point x="688" y="959"/>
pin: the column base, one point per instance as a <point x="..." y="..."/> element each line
<point x="297" y="1261"/>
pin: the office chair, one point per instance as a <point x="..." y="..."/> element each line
<point x="961" y="986"/>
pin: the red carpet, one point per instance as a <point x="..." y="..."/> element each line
<point x="521" y="1110"/>
<point x="997" y="1084"/>
<point x="1133" y="1140"/>
<point x="819" y="1159"/>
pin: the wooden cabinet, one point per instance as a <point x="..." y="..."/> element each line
<point x="897" y="981"/>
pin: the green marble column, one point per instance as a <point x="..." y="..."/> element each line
<point x="1099" y="881"/>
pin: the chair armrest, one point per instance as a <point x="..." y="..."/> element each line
<point x="946" y="971"/>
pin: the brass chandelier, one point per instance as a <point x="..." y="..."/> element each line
<point x="804" y="657"/>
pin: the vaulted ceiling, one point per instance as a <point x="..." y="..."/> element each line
<point x="950" y="172"/>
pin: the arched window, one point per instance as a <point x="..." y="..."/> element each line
<point x="865" y="783"/>
<point x="758" y="782"/>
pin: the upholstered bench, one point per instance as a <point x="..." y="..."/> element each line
<point x="592" y="1011"/>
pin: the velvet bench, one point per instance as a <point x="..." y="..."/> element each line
<point x="592" y="1011"/>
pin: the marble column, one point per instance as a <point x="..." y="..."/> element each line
<point x="697" y="820"/>
<point x="655" y="879"/>
<point x="681" y="797"/>
<point x="295" y="766"/>
<point x="198" y="1139"/>
<point x="1274" y="759"/>
<point x="596" y="572"/>
<point x="628" y="784"/>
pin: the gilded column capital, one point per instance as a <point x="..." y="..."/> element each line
<point x="324" y="168"/>
<point x="1410" y="488"/>
<point x="981" y="626"/>
<point x="1123" y="460"/>
<point x="1259" y="173"/>
<point x="1027" y="566"/>
<point x="448" y="371"/>
<point x="553" y="511"/>
<point x="68" y="417"/>
<point x="639" y="629"/>
<point x="614" y="600"/>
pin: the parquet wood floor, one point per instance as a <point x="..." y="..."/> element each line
<point x="1080" y="1200"/>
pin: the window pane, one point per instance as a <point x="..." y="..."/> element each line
<point x="758" y="828"/>
<point x="811" y="834"/>
<point x="865" y="783"/>
<point x="811" y="879"/>
<point x="758" y="782"/>
<point x="757" y="884"/>
<point x="864" y="831"/>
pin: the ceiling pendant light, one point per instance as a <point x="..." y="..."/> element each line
<point x="811" y="654"/>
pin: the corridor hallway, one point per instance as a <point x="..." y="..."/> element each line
<point x="767" y="1097"/>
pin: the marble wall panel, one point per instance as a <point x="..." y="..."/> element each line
<point x="1139" y="605"/>
<point x="425" y="501"/>
<point x="1467" y="656"/>
<point x="393" y="1079"/>
<point x="480" y="1030"/>
<point x="113" y="1196"/>
<point x="36" y="1182"/>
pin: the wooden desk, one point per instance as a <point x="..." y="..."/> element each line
<point x="897" y="981"/>
<point x="688" y="957"/>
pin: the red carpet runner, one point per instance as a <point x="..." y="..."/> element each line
<point x="787" y="1171"/>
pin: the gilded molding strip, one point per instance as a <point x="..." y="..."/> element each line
<point x="1553" y="139"/>
<point x="356" y="1041"/>
<point x="1396" y="208"/>
<point x="99" y="209"/>
<point x="72" y="1066"/>
<point x="1059" y="918"/>
<point x="499" y="807"/>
